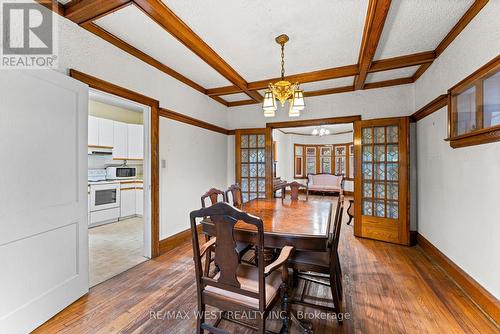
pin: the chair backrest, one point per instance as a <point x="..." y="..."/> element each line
<point x="294" y="190"/>
<point x="214" y="195"/>
<point x="336" y="231"/>
<point x="336" y="221"/>
<point x="224" y="217"/>
<point x="236" y="195"/>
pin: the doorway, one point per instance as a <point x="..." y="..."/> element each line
<point x="119" y="216"/>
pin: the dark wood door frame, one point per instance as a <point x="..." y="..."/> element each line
<point x="125" y="93"/>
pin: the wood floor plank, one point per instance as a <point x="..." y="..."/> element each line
<point x="387" y="289"/>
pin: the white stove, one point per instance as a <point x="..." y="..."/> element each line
<point x="104" y="198"/>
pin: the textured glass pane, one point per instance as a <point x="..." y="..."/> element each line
<point x="392" y="209"/>
<point x="261" y="155"/>
<point x="392" y="152"/>
<point x="253" y="184"/>
<point x="244" y="185"/>
<point x="465" y="117"/>
<point x="379" y="208"/>
<point x="311" y="151"/>
<point x="253" y="170"/>
<point x="351" y="149"/>
<point x="244" y="170"/>
<point x="379" y="133"/>
<point x="340" y="165"/>
<point x="311" y="165"/>
<point x="392" y="134"/>
<point x="367" y="137"/>
<point x="253" y="155"/>
<point x="392" y="172"/>
<point x="262" y="195"/>
<point x="262" y="185"/>
<point x="298" y="150"/>
<point x="491" y="101"/>
<point x="367" y="153"/>
<point x="379" y="171"/>
<point x="367" y="189"/>
<point x="392" y="191"/>
<point x="379" y="153"/>
<point x="379" y="190"/>
<point x="245" y="198"/>
<point x="252" y="141"/>
<point x="326" y="165"/>
<point x="367" y="208"/>
<point x="326" y="151"/>
<point x="261" y="140"/>
<point x="253" y="196"/>
<point x="351" y="167"/>
<point x="367" y="171"/>
<point x="262" y="170"/>
<point x="339" y="150"/>
<point x="244" y="141"/>
<point x="244" y="155"/>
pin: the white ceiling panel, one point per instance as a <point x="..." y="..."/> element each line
<point x="418" y="25"/>
<point x="137" y="29"/>
<point x="235" y="97"/>
<point x="323" y="33"/>
<point x="334" y="128"/>
<point x="392" y="74"/>
<point x="64" y="1"/>
<point x="325" y="84"/>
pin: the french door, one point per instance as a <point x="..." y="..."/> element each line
<point x="253" y="157"/>
<point x="381" y="198"/>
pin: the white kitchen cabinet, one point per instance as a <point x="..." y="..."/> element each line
<point x="135" y="141"/>
<point x="120" y="140"/>
<point x="139" y="201"/>
<point x="127" y="202"/>
<point x="93" y="130"/>
<point x="105" y="132"/>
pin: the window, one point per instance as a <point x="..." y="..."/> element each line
<point x="474" y="108"/>
<point x="330" y="159"/>
<point x="252" y="166"/>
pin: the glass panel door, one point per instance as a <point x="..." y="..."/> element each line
<point x="382" y="182"/>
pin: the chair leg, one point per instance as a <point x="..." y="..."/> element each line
<point x="261" y="326"/>
<point x="285" y="308"/>
<point x="335" y="296"/>
<point x="200" y="319"/>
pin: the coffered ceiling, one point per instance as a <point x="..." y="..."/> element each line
<point x="226" y="49"/>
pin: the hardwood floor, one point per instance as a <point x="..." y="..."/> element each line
<point x="387" y="289"/>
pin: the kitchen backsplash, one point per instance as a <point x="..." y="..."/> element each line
<point x="96" y="161"/>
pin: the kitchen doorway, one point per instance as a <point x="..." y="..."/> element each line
<point x="119" y="196"/>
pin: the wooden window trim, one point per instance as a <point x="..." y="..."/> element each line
<point x="481" y="135"/>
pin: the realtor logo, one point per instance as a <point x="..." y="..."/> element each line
<point x="28" y="35"/>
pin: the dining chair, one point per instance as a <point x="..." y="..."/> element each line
<point x="238" y="287"/>
<point x="294" y="190"/>
<point x="322" y="267"/>
<point x="236" y="195"/>
<point x="214" y="194"/>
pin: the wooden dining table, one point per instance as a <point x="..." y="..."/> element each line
<point x="304" y="225"/>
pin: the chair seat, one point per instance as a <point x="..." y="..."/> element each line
<point x="248" y="276"/>
<point x="311" y="261"/>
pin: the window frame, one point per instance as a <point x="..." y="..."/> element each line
<point x="480" y="135"/>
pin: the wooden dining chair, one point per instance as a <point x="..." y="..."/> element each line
<point x="215" y="195"/>
<point x="322" y="267"/>
<point x="294" y="190"/>
<point x="238" y="286"/>
<point x="234" y="192"/>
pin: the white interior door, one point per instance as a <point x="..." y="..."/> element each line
<point x="43" y="196"/>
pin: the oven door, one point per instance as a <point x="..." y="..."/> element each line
<point x="104" y="196"/>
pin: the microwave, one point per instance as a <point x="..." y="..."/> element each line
<point x="124" y="172"/>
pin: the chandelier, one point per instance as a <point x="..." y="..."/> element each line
<point x="320" y="132"/>
<point x="283" y="90"/>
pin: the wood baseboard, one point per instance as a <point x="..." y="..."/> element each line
<point x="485" y="300"/>
<point x="175" y="240"/>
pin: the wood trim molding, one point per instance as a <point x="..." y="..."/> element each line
<point x="155" y="140"/>
<point x="374" y="24"/>
<point x="88" y="10"/>
<point x="473" y="10"/>
<point x="176" y="240"/>
<point x="389" y="83"/>
<point x="329" y="91"/>
<point x="313" y="122"/>
<point x="192" y="121"/>
<point x="402" y="61"/>
<point x="485" y="300"/>
<point x="440" y="102"/>
<point x="53" y="5"/>
<point x="167" y="19"/>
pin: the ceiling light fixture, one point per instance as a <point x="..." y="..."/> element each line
<point x="283" y="90"/>
<point x="320" y="132"/>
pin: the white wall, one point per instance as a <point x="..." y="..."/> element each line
<point x="458" y="189"/>
<point x="196" y="160"/>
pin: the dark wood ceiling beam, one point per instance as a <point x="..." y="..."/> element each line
<point x="374" y="24"/>
<point x="388" y="83"/>
<point x="167" y="19"/>
<point x="89" y="10"/>
<point x="329" y="91"/>
<point x="53" y="5"/>
<point x="473" y="10"/>
<point x="402" y="61"/>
